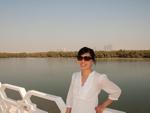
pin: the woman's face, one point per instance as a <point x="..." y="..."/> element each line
<point x="85" y="62"/>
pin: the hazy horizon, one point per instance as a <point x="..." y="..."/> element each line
<point x="41" y="26"/>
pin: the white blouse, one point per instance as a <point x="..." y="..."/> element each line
<point x="84" y="99"/>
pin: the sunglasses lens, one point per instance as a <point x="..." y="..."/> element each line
<point x="86" y="58"/>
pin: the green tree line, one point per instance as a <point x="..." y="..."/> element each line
<point x="99" y="54"/>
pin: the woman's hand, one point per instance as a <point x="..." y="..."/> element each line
<point x="99" y="109"/>
<point x="68" y="110"/>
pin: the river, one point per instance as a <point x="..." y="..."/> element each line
<point x="53" y="76"/>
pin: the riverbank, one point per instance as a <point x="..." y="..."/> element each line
<point x="123" y="59"/>
<point x="99" y="54"/>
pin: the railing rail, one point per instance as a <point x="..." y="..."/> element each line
<point x="15" y="99"/>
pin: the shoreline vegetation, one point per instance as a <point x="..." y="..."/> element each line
<point x="71" y="54"/>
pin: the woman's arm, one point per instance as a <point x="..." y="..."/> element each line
<point x="111" y="88"/>
<point x="113" y="93"/>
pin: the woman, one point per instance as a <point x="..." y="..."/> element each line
<point x="86" y="85"/>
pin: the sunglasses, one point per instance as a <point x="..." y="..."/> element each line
<point x="85" y="58"/>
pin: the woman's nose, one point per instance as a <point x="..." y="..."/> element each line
<point x="82" y="60"/>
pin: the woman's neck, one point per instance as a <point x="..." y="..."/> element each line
<point x="86" y="72"/>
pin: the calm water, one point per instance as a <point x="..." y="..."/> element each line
<point x="53" y="75"/>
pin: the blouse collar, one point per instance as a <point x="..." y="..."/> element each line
<point x="90" y="76"/>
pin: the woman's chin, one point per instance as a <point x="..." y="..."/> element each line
<point x="83" y="68"/>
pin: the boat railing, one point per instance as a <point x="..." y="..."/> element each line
<point x="15" y="99"/>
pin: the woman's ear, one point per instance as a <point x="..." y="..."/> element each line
<point x="92" y="62"/>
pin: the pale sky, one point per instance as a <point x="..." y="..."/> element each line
<point x="44" y="25"/>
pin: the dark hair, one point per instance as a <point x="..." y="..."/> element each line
<point x="87" y="50"/>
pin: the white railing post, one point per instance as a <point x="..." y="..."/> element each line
<point x="10" y="95"/>
<point x="35" y="98"/>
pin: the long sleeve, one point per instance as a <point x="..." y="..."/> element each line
<point x="69" y="99"/>
<point x="112" y="89"/>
